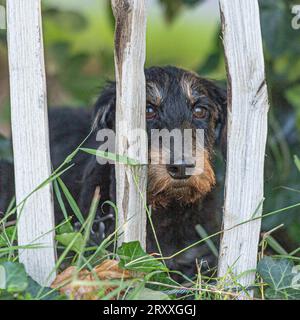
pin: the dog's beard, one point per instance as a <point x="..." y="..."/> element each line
<point x="163" y="190"/>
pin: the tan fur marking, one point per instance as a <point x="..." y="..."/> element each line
<point x="153" y="93"/>
<point x="163" y="190"/>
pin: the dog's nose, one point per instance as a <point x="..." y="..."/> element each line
<point x="181" y="170"/>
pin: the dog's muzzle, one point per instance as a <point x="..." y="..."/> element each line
<point x="181" y="170"/>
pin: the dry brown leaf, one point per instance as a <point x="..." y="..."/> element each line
<point x="107" y="270"/>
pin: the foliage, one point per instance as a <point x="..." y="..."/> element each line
<point x="147" y="276"/>
<point x="66" y="238"/>
<point x="77" y="64"/>
<point x="15" y="284"/>
<point x="79" y="46"/>
<point x="281" y="49"/>
<point x="133" y="257"/>
<point x="280" y="275"/>
<point x="173" y="7"/>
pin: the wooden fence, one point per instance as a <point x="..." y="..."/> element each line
<point x="247" y="130"/>
<point x="30" y="135"/>
<point x="247" y="134"/>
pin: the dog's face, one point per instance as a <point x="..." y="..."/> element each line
<point x="178" y="99"/>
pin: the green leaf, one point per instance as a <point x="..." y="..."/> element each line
<point x="6" y="236"/>
<point x="148" y="294"/>
<point x="38" y="292"/>
<point x="133" y="257"/>
<point x="111" y="156"/>
<point x="162" y="281"/>
<point x="4" y="295"/>
<point x="14" y="277"/>
<point x="66" y="238"/>
<point x="65" y="228"/>
<point x="279" y="275"/>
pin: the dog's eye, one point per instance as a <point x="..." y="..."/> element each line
<point x="150" y="112"/>
<point x="200" y="112"/>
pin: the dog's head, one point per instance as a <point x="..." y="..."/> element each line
<point x="178" y="101"/>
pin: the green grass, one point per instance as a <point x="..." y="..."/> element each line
<point x="186" y="42"/>
<point x="150" y="278"/>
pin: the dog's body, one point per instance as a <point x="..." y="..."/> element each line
<point x="7" y="186"/>
<point x="176" y="99"/>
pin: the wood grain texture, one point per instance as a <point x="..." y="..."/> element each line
<point x="247" y="133"/>
<point x="30" y="136"/>
<point x="130" y="48"/>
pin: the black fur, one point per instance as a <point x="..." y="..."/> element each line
<point x="174" y="224"/>
<point x="7" y="186"/>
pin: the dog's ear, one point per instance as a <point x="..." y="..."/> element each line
<point x="219" y="96"/>
<point x="222" y="136"/>
<point x="104" y="111"/>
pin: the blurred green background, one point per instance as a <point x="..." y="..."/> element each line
<point x="79" y="59"/>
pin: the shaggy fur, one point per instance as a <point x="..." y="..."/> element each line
<point x="178" y="205"/>
<point x="7" y="186"/>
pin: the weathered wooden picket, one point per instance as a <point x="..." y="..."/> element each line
<point x="130" y="49"/>
<point x="247" y="129"/>
<point x="247" y="134"/>
<point x="30" y="135"/>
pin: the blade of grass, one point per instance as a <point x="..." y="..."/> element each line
<point x="203" y="234"/>
<point x="90" y="220"/>
<point x="116" y="222"/>
<point x="222" y="231"/>
<point x="111" y="156"/>
<point x="275" y="246"/>
<point x="294" y="252"/>
<point x="50" y="179"/>
<point x="71" y="201"/>
<point x="148" y="211"/>
<point x="56" y="173"/>
<point x="59" y="199"/>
